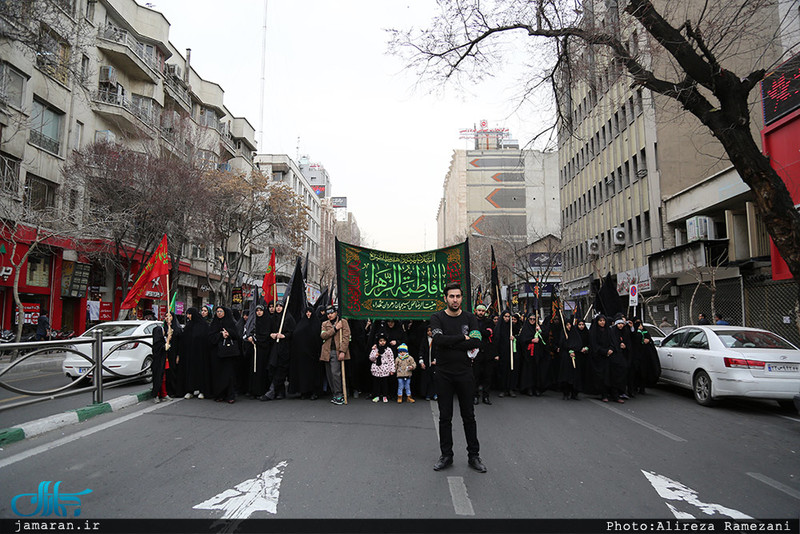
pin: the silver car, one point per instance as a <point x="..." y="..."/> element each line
<point x="731" y="361"/>
<point x="130" y="358"/>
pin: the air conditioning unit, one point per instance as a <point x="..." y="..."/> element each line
<point x="593" y="247"/>
<point x="619" y="236"/>
<point x="108" y="74"/>
<point x="174" y="71"/>
<point x="104" y="136"/>
<point x="699" y="227"/>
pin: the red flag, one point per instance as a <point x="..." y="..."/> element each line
<point x="268" y="285"/>
<point x="157" y="266"/>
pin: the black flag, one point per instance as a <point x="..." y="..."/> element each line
<point x="296" y="292"/>
<point x="497" y="301"/>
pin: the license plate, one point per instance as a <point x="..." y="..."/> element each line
<point x="783" y="368"/>
<point x="82" y="370"/>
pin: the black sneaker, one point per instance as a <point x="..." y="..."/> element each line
<point x="444" y="462"/>
<point x="475" y="463"/>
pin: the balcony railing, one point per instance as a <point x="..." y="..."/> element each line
<point x="42" y="141"/>
<point x="180" y="92"/>
<point x="113" y="33"/>
<point x="145" y="113"/>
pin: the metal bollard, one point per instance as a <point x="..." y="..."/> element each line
<point x="97" y="357"/>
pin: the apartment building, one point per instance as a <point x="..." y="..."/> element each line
<point x="101" y="70"/>
<point x="636" y="171"/>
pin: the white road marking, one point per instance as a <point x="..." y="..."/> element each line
<point x="636" y="420"/>
<point x="795" y="419"/>
<point x="78" y="435"/>
<point x="458" y="492"/>
<point x="435" y="413"/>
<point x="246" y="498"/>
<point x="675" y="491"/>
<point x="775" y="484"/>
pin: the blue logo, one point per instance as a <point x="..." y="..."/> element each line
<point x="45" y="503"/>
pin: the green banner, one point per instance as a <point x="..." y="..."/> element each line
<point x="386" y="285"/>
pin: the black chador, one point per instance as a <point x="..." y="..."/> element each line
<point x="485" y="363"/>
<point x="569" y="365"/>
<point x="599" y="358"/>
<point x="509" y="379"/>
<point x="258" y="374"/>
<point x="305" y="372"/>
<point x="223" y="352"/>
<point x="621" y="344"/>
<point x="165" y="361"/>
<point x="280" y="354"/>
<point x="532" y="351"/>
<point x="194" y="365"/>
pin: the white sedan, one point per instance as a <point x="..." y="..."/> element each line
<point x="731" y="361"/>
<point x="130" y="358"/>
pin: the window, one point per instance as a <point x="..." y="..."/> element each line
<point x="46" y="127"/>
<point x="646" y="225"/>
<point x="76" y="143"/>
<point x="9" y="173"/>
<point x="52" y="56"/>
<point x="72" y="206"/>
<point x="12" y="85"/>
<point x="84" y="69"/>
<point x="89" y="14"/>
<point x="40" y="194"/>
<point x="38" y="271"/>
<point x="695" y="339"/>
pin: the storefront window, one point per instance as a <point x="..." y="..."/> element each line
<point x="38" y="271"/>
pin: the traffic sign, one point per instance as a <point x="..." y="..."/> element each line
<point x="633" y="295"/>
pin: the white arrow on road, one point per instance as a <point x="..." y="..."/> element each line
<point x="675" y="491"/>
<point x="257" y="494"/>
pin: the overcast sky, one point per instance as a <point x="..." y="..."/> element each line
<point x="385" y="141"/>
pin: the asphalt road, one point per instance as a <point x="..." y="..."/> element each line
<point x="657" y="456"/>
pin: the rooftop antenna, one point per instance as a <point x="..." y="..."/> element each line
<point x="297" y="156"/>
<point x="263" y="78"/>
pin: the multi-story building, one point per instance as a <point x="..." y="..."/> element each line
<point x="497" y="190"/>
<point x="101" y="71"/>
<point x="635" y="170"/>
<point x="281" y="168"/>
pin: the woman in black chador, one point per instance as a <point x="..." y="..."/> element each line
<point x="305" y="374"/>
<point x="280" y="356"/>
<point x="509" y="379"/>
<point x="600" y="351"/>
<point x="165" y="359"/>
<point x="223" y="345"/>
<point x="569" y="372"/>
<point x="621" y="345"/>
<point x="259" y="340"/>
<point x="194" y="367"/>
<point x="531" y="347"/>
<point x="649" y="364"/>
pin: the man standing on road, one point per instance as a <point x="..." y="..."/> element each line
<point x="43" y="327"/>
<point x="457" y="336"/>
<point x="335" y="349"/>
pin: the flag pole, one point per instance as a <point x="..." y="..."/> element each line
<point x="283" y="315"/>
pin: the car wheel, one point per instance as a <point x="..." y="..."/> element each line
<point x="788" y="406"/>
<point x="148" y="362"/>
<point x="701" y="384"/>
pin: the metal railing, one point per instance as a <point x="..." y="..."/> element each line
<point x="97" y="358"/>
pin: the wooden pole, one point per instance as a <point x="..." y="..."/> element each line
<point x="283" y="315"/>
<point x="511" y="341"/>
<point x="344" y="378"/>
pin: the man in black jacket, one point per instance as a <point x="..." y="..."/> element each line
<point x="457" y="336"/>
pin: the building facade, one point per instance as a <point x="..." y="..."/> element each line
<point x="101" y="70"/>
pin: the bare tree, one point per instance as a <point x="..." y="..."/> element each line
<point x="699" y="47"/>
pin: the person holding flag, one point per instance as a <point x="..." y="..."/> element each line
<point x="166" y="358"/>
<point x="156" y="267"/>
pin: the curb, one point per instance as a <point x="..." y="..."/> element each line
<point x="52" y="422"/>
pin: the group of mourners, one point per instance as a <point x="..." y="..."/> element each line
<point x="220" y="355"/>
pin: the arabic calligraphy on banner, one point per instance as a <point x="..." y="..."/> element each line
<point x="387" y="285"/>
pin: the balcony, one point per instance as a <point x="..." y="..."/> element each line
<point x="131" y="55"/>
<point x="179" y="93"/>
<point x="42" y="141"/>
<point x="134" y="118"/>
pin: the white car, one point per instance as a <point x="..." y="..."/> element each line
<point x="731" y="361"/>
<point x="129" y="359"/>
<point x="655" y="332"/>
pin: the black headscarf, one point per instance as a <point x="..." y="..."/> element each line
<point x="226" y="322"/>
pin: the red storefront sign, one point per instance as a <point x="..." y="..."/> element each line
<point x="106" y="314"/>
<point x="32" y="312"/>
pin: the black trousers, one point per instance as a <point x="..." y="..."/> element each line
<point x="462" y="385"/>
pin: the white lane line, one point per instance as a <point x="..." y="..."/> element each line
<point x="675" y="491"/>
<point x="458" y="492"/>
<point x="775" y="484"/>
<point x="795" y="419"/>
<point x="257" y="494"/>
<point x="638" y="421"/>
<point x="78" y="435"/>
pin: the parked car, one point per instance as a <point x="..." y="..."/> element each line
<point x="731" y="361"/>
<point x="128" y="360"/>
<point x="656" y="333"/>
